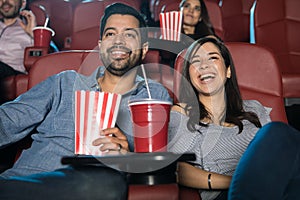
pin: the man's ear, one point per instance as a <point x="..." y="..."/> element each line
<point x="145" y="49"/>
<point x="99" y="43"/>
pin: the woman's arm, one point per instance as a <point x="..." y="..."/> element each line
<point x="194" y="177"/>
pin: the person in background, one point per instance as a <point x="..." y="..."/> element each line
<point x="16" y="34"/>
<point x="47" y="112"/>
<point x="196" y="23"/>
<point x="211" y="119"/>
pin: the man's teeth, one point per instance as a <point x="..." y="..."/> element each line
<point x="207" y="76"/>
<point x="118" y="52"/>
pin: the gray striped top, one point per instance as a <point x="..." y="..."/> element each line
<point x="217" y="148"/>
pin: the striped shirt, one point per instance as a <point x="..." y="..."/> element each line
<point x="217" y="148"/>
<point x="13" y="41"/>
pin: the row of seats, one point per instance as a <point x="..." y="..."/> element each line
<point x="250" y="60"/>
<point x="68" y="17"/>
<point x="279" y="30"/>
<point x="74" y="21"/>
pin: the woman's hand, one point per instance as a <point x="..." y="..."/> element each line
<point x="112" y="139"/>
<point x="31" y="21"/>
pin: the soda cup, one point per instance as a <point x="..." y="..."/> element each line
<point x="150" y="118"/>
<point x="42" y="36"/>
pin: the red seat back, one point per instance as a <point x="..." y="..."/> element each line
<point x="216" y="17"/>
<point x="61" y="15"/>
<point x="57" y="62"/>
<point x="277" y="25"/>
<point x="85" y="31"/>
<point x="236" y="20"/>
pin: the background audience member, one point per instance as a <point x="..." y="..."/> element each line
<point x="195" y="25"/>
<point x="196" y="22"/>
<point x="15" y="35"/>
<point x="211" y="119"/>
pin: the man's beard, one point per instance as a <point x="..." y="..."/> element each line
<point x="125" y="68"/>
<point x="13" y="15"/>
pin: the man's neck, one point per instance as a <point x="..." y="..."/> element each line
<point x="117" y="84"/>
<point x="9" y="21"/>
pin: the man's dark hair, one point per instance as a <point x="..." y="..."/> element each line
<point x="123" y="9"/>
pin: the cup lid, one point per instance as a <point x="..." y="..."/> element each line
<point x="43" y="27"/>
<point x="148" y="101"/>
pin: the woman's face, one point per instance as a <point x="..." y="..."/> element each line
<point x="207" y="71"/>
<point x="191" y="12"/>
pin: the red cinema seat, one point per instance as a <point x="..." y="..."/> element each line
<point x="277" y="26"/>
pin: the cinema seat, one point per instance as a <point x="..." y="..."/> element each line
<point x="277" y="26"/>
<point x="60" y="14"/>
<point x="236" y="20"/>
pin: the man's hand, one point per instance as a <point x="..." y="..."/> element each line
<point x="112" y="139"/>
<point x="31" y="22"/>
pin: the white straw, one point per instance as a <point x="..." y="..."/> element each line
<point x="46" y="22"/>
<point x="146" y="81"/>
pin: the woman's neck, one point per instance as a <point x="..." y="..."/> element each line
<point x="188" y="29"/>
<point x="216" y="106"/>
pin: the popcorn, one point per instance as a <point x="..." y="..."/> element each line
<point x="94" y="111"/>
<point x="170" y="24"/>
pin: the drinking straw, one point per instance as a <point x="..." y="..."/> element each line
<point x="46" y="22"/>
<point x="46" y="15"/>
<point x="146" y="81"/>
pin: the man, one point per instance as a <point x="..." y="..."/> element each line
<point x="47" y="110"/>
<point x="15" y="35"/>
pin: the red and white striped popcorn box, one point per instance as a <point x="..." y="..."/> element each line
<point x="170" y="24"/>
<point x="94" y="111"/>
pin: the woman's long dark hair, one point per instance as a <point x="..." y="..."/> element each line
<point x="235" y="112"/>
<point x="203" y="27"/>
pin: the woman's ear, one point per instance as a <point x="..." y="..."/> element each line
<point x="228" y="72"/>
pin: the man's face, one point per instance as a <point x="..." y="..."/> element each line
<point x="120" y="48"/>
<point x="10" y="8"/>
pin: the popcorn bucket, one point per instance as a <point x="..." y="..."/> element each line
<point x="170" y="24"/>
<point x="94" y="111"/>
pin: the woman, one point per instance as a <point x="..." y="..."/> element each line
<point x="215" y="123"/>
<point x="196" y="22"/>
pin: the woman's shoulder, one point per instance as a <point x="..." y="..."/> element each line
<point x="252" y="105"/>
<point x="262" y="111"/>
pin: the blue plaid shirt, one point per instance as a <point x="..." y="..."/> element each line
<point x="47" y="111"/>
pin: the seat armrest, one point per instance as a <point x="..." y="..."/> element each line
<point x="31" y="54"/>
